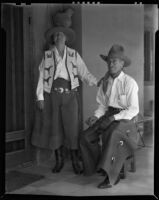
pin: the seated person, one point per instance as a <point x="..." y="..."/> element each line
<point x="117" y="97"/>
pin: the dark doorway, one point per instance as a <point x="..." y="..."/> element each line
<point x="17" y="147"/>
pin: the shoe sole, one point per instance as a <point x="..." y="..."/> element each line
<point x="105" y="187"/>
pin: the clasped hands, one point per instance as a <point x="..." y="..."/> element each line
<point x="103" y="124"/>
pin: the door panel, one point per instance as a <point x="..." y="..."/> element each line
<point x="19" y="107"/>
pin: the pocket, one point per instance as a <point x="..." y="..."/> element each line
<point x="122" y="101"/>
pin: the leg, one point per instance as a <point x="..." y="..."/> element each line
<point x="90" y="150"/>
<point x="59" y="155"/>
<point x="71" y="128"/>
<point x="123" y="171"/>
<point x="57" y="136"/>
<point x="133" y="164"/>
<point x="117" y="147"/>
<point x="75" y="162"/>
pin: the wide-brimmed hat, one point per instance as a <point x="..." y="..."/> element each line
<point x="61" y="23"/>
<point x="116" y="51"/>
<point x="70" y="34"/>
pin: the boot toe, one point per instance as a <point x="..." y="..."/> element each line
<point x="57" y="168"/>
<point x="117" y="180"/>
<point x="104" y="185"/>
<point x="77" y="169"/>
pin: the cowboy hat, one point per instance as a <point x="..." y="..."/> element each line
<point x="62" y="22"/>
<point x="116" y="51"/>
<point x="69" y="33"/>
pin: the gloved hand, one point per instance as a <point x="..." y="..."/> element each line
<point x="106" y="122"/>
<point x="91" y="120"/>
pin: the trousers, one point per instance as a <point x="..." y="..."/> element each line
<point x="119" y="140"/>
<point x="57" y="124"/>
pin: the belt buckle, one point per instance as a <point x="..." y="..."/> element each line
<point x="61" y="90"/>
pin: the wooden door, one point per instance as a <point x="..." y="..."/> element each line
<point x="19" y="100"/>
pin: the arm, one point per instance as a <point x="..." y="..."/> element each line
<point x="132" y="102"/>
<point x="39" y="90"/>
<point x="83" y="72"/>
<point x="102" y="103"/>
<point x="101" y="107"/>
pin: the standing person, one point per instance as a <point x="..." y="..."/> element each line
<point x="117" y="97"/>
<point x="60" y="71"/>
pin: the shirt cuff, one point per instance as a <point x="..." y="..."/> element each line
<point x="98" y="115"/>
<point x="40" y="97"/>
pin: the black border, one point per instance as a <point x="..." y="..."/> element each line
<point x="2" y="135"/>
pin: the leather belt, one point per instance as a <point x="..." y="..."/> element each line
<point x="63" y="90"/>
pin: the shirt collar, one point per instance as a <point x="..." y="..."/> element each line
<point x="56" y="51"/>
<point x="57" y="55"/>
<point x="120" y="77"/>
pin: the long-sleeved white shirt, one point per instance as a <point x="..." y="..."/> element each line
<point x="122" y="92"/>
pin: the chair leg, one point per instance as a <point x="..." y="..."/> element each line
<point x="123" y="171"/>
<point x="133" y="164"/>
<point x="141" y="137"/>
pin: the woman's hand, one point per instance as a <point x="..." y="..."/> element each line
<point x="40" y="104"/>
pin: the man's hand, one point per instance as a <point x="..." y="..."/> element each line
<point x="91" y="120"/>
<point x="40" y="104"/>
<point x="106" y="122"/>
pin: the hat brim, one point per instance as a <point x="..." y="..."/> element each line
<point x="127" y="61"/>
<point x="70" y="34"/>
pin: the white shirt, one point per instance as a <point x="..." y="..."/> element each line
<point x="61" y="71"/>
<point x="122" y="92"/>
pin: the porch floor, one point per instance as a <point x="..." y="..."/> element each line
<point x="68" y="184"/>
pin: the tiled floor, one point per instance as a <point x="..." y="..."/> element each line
<point x="68" y="184"/>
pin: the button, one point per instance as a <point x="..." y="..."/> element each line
<point x="121" y="142"/>
<point x="113" y="158"/>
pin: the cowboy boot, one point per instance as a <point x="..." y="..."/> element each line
<point x="105" y="183"/>
<point x="75" y="162"/>
<point x="59" y="160"/>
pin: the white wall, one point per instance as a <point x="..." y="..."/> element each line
<point x="103" y="26"/>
